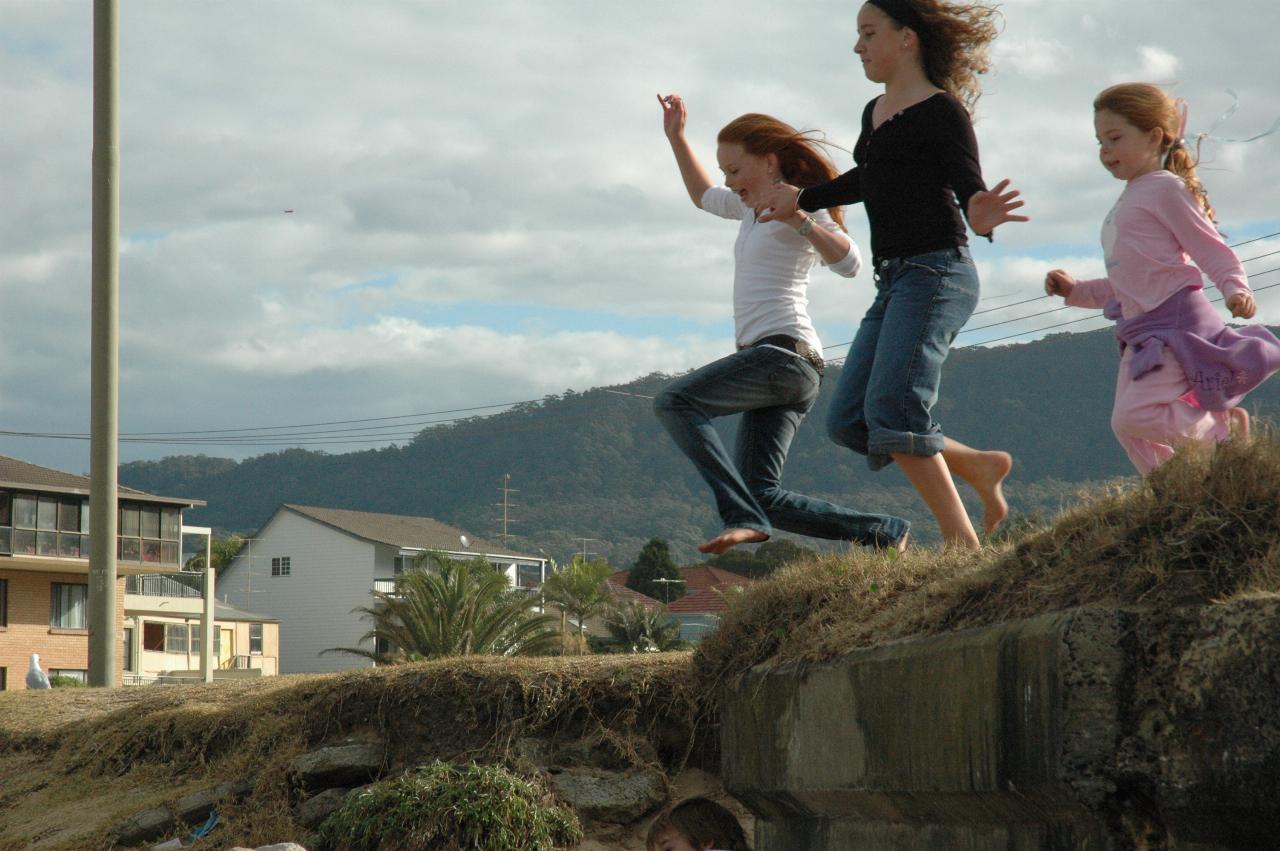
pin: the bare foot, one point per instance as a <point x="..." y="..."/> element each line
<point x="731" y="538"/>
<point x="987" y="479"/>
<point x="1239" y="423"/>
<point x="903" y="542"/>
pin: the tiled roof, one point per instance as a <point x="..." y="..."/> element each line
<point x="698" y="578"/>
<point x="225" y="612"/>
<point x="399" y="530"/>
<point x="21" y="474"/>
<point x="705" y="601"/>
<point x="623" y="594"/>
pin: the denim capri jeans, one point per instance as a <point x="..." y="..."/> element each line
<point x="885" y="395"/>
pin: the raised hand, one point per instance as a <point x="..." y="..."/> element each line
<point x="674" y="115"/>
<point x="1059" y="282"/>
<point x="1242" y="305"/>
<point x="989" y="209"/>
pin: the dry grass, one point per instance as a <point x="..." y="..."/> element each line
<point x="136" y="748"/>
<point x="1204" y="527"/>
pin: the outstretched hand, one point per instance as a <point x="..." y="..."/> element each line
<point x="1242" y="305"/>
<point x="993" y="207"/>
<point x="779" y="202"/>
<point x="1059" y="282"/>
<point x="674" y="115"/>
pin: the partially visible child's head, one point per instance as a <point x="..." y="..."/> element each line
<point x="696" y="824"/>
<point x="1149" y="108"/>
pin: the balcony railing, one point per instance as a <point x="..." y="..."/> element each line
<point x="165" y="585"/>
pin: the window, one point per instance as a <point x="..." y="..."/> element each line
<point x="4" y="602"/>
<point x="280" y="566"/>
<point x="71" y="673"/>
<point x="153" y="636"/>
<point x="255" y="639"/>
<point x="4" y="679"/>
<point x="32" y="524"/>
<point x="69" y="608"/>
<point x="528" y="575"/>
<point x="401" y="563"/>
<point x="175" y="637"/>
<point x="128" y="649"/>
<point x="149" y="533"/>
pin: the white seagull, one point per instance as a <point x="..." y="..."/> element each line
<point x="35" y="677"/>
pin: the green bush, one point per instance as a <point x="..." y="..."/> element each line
<point x="442" y="806"/>
<point x="63" y="681"/>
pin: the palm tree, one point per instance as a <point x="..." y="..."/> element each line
<point x="579" y="590"/>
<point x="442" y="607"/>
<point x="638" y="629"/>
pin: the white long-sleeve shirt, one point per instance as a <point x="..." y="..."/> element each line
<point x="771" y="271"/>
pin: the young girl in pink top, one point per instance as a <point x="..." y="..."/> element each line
<point x="1182" y="371"/>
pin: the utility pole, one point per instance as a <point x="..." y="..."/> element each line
<point x="506" y="504"/>
<point x="666" y="589"/>
<point x="104" y="392"/>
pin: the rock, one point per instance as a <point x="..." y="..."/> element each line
<point x="282" y="846"/>
<point x="195" y="808"/>
<point x="610" y="795"/>
<point x="339" y="765"/>
<point x="319" y="807"/>
<point x="145" y="826"/>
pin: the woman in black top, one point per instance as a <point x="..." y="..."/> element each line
<point x="917" y="169"/>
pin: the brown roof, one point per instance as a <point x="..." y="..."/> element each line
<point x="696" y="578"/>
<point x="21" y="475"/>
<point x="705" y="601"/>
<point x="623" y="594"/>
<point x="399" y="530"/>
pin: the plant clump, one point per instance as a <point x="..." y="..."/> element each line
<point x="443" y="807"/>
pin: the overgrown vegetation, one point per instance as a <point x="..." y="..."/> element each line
<point x="442" y="806"/>
<point x="1204" y="527"/>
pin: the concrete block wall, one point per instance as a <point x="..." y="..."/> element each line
<point x="1093" y="728"/>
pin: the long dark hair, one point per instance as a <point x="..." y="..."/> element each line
<point x="954" y="44"/>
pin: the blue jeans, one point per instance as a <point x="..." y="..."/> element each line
<point x="773" y="389"/>
<point x="884" y="399"/>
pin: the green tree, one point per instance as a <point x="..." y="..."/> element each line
<point x="579" y="589"/>
<point x="442" y="607"/>
<point x="653" y="563"/>
<point x="762" y="560"/>
<point x="636" y="629"/>
<point x="222" y="550"/>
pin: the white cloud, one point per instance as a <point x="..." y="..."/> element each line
<point x="484" y="206"/>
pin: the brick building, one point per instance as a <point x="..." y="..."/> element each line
<point x="44" y="565"/>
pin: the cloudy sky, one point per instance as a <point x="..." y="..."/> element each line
<point x="484" y="209"/>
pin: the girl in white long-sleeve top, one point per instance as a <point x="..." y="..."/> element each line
<point x="773" y="377"/>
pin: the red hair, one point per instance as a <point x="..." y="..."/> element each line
<point x="800" y="156"/>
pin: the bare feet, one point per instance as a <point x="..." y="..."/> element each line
<point x="987" y="479"/>
<point x="731" y="538"/>
<point x="1239" y="423"/>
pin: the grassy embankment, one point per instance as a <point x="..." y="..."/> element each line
<point x="1204" y="528"/>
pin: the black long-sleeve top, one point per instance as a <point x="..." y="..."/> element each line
<point x="915" y="173"/>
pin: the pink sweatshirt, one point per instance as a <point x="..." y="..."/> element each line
<point x="1154" y="238"/>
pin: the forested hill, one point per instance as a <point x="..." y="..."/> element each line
<point x="597" y="465"/>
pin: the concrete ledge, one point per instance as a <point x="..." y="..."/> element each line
<point x="1085" y="728"/>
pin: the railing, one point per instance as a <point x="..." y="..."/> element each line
<point x="165" y="585"/>
<point x="385" y="586"/>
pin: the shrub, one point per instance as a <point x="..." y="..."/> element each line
<point x="442" y="806"/>
<point x="63" y="681"/>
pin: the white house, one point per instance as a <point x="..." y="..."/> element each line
<point x="309" y="567"/>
